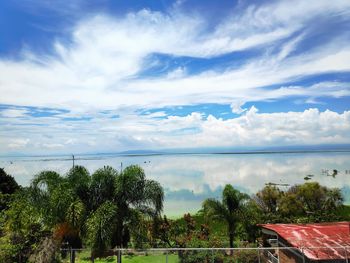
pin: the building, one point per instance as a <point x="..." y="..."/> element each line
<point x="321" y="242"/>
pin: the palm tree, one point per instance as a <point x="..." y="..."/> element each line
<point x="51" y="194"/>
<point x="106" y="204"/>
<point x="59" y="200"/>
<point x="229" y="209"/>
<point x="101" y="226"/>
<point x="118" y="200"/>
<point x="136" y="194"/>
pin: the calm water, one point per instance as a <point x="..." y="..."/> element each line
<point x="189" y="179"/>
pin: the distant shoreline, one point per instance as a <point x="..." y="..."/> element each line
<point x="94" y="156"/>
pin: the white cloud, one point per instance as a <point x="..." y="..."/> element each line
<point x="237" y="107"/>
<point x="97" y="70"/>
<point x="18" y="143"/>
<point x="13" y="113"/>
<point x="156" y="131"/>
<point x="52" y="145"/>
<point x="289" y="47"/>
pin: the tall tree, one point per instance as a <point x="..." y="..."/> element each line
<point x="229" y="209"/>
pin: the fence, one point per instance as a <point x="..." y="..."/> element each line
<point x="340" y="254"/>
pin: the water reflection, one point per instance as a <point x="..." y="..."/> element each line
<point x="188" y="179"/>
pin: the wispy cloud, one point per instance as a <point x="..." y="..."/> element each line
<point x="100" y="69"/>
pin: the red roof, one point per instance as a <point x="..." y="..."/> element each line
<point x="318" y="241"/>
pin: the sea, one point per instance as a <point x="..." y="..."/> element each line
<point x="188" y="179"/>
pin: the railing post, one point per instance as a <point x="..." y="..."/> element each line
<point x="212" y="256"/>
<point x="119" y="257"/>
<point x="258" y="255"/>
<point x="302" y="253"/>
<point x="346" y="255"/>
<point x="166" y="257"/>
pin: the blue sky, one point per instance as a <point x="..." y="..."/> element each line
<point x="109" y="76"/>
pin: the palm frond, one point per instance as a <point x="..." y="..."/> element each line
<point x="154" y="194"/>
<point x="215" y="209"/>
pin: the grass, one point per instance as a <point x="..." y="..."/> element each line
<point x="84" y="257"/>
<point x="344" y="212"/>
<point x="150" y="258"/>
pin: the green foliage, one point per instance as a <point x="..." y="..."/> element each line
<point x="99" y="210"/>
<point x="8" y="186"/>
<point x="101" y="226"/>
<point x="22" y="229"/>
<point x="231" y="209"/>
<point x="195" y="256"/>
<point x="343" y="212"/>
<point x="75" y="214"/>
<point x="79" y="180"/>
<point x="309" y="202"/>
<point x="46" y="251"/>
<point x="133" y="189"/>
<point x="150" y="258"/>
<point x="267" y="199"/>
<point x="246" y="256"/>
<point x="251" y="217"/>
<point x="109" y="209"/>
<point x="102" y="187"/>
<point x="139" y="227"/>
<point x="290" y="205"/>
<point x="130" y="258"/>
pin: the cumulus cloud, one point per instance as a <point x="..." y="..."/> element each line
<point x="132" y="131"/>
<point x="237" y="107"/>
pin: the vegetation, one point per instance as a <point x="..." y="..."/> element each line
<point x="109" y="209"/>
<point x="101" y="211"/>
<point x="309" y="202"/>
<point x="8" y="186"/>
<point x="231" y="209"/>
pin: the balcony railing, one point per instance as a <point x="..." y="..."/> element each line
<point x="211" y="255"/>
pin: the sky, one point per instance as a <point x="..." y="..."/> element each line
<point x="110" y="76"/>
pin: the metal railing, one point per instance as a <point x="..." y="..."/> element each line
<point x="271" y="258"/>
<point x="216" y="255"/>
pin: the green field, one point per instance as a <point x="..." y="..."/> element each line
<point x="150" y="258"/>
<point x="83" y="257"/>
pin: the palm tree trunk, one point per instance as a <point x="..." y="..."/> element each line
<point x="73" y="256"/>
<point x="231" y="240"/>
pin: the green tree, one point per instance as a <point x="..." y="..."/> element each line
<point x="319" y="201"/>
<point x="135" y="193"/>
<point x="52" y="195"/>
<point x="8" y="186"/>
<point x="79" y="180"/>
<point x="129" y="195"/>
<point x="101" y="226"/>
<point x="290" y="206"/>
<point x="102" y="187"/>
<point x="267" y="199"/>
<point x="103" y="208"/>
<point x="229" y="209"/>
<point x="59" y="201"/>
<point x="22" y="229"/>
